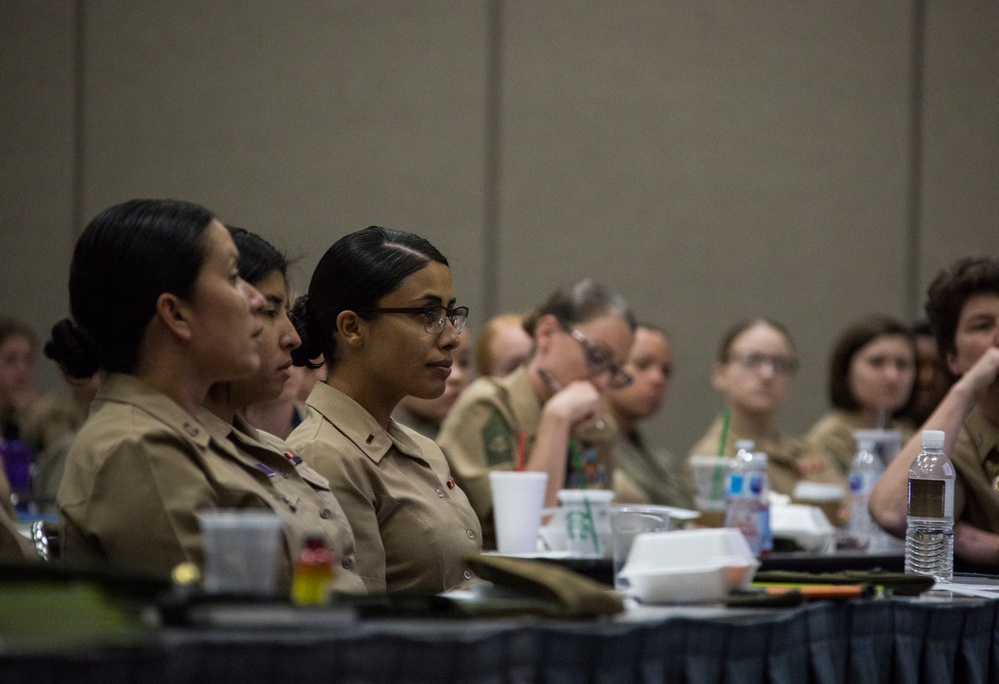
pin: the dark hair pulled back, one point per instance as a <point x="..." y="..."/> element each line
<point x="257" y="257"/>
<point x="127" y="256"/>
<point x="356" y="272"/>
<point x="579" y="303"/>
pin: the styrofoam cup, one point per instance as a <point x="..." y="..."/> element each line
<point x="241" y="550"/>
<point x="518" y="498"/>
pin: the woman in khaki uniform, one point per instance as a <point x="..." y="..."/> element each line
<point x="159" y="306"/>
<point x="380" y="311"/>
<point x="872" y="375"/>
<point x="553" y="403"/>
<point x="756" y="363"/>
<point x="962" y="304"/>
<point x="302" y="497"/>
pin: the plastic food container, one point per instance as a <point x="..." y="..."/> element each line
<point x="689" y="566"/>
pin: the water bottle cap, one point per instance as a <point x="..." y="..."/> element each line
<point x="933" y="439"/>
<point x="745" y="445"/>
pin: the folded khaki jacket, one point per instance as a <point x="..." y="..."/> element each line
<point x="550" y="589"/>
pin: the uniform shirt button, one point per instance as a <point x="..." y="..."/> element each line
<point x="467" y="574"/>
<point x="471" y="534"/>
<point x="440" y="492"/>
<point x="348" y="563"/>
<point x="325" y="514"/>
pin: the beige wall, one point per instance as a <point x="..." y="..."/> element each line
<point x="710" y="160"/>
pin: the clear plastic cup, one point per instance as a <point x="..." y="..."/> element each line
<point x="241" y="551"/>
<point x="627" y="522"/>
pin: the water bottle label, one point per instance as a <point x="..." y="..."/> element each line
<point x="856" y="483"/>
<point x="734" y="485"/>
<point x="931" y="498"/>
<point x="756" y="483"/>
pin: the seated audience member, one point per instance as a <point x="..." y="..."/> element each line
<point x="426" y="415"/>
<point x="933" y="379"/>
<point x="301" y="496"/>
<point x="755" y="366"/>
<point x="963" y="307"/>
<point x="282" y="415"/>
<point x="872" y="372"/>
<point x="17" y="375"/>
<point x="143" y="466"/>
<point x="502" y="346"/>
<point x="552" y="405"/>
<point x="381" y="312"/>
<point x="13" y="544"/>
<point x="51" y="428"/>
<point x="645" y="474"/>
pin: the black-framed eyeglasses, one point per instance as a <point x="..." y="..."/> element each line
<point x="598" y="360"/>
<point x="434" y="317"/>
<point x="781" y="365"/>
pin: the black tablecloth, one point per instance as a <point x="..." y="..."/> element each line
<point x="893" y="640"/>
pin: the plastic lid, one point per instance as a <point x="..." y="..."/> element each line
<point x="933" y="439"/>
<point x="865" y="443"/>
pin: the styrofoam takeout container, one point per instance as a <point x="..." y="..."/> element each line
<point x="807" y="526"/>
<point x="689" y="566"/>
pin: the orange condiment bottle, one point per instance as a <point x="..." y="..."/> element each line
<point x="313" y="573"/>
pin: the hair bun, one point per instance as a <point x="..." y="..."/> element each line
<point x="74" y="349"/>
<point x="311" y="346"/>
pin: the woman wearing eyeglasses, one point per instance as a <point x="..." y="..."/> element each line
<point x="552" y="406"/>
<point x="755" y="366"/>
<point x="380" y="311"/>
<point x="872" y="374"/>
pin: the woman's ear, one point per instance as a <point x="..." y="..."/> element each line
<point x="175" y="315"/>
<point x="951" y="358"/>
<point x="545" y="329"/>
<point x="718" y="376"/>
<point x="351" y="328"/>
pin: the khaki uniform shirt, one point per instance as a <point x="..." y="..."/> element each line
<point x="782" y="462"/>
<point x="480" y="434"/>
<point x="13" y="544"/>
<point x="834" y="433"/>
<point x="303" y="498"/>
<point x="138" y="473"/>
<point x="650" y="476"/>
<point x="412" y="524"/>
<point x="427" y="428"/>
<point x="976" y="460"/>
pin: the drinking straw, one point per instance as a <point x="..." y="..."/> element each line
<point x="590" y="523"/>
<point x="520" y="451"/>
<point x="716" y="478"/>
<point x="881" y="418"/>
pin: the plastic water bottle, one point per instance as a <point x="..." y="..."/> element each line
<point x="929" y="533"/>
<point x="747" y="507"/>
<point x="16" y="456"/>
<point x="862" y="532"/>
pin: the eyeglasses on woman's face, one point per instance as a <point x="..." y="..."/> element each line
<point x="434" y="317"/>
<point x="781" y="365"/>
<point x="598" y="360"/>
